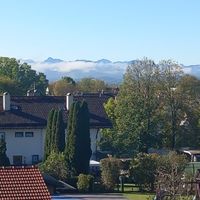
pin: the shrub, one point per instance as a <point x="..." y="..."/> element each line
<point x="110" y="171"/>
<point x="143" y="169"/>
<point x="85" y="182"/>
<point x="55" y="166"/>
<point x="170" y="173"/>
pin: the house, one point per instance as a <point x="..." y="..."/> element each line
<point x="23" y="121"/>
<point x="22" y="183"/>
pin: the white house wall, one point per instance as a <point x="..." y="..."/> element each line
<point x="28" y="146"/>
<point x="95" y="137"/>
<point x="24" y="146"/>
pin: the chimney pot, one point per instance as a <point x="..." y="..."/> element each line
<point x="6" y="101"/>
<point x="28" y="93"/>
<point x="69" y="100"/>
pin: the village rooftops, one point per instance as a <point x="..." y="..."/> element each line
<point x="32" y="111"/>
<point x="22" y="183"/>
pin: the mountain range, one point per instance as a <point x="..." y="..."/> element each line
<point x="111" y="72"/>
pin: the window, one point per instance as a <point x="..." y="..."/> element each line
<point x="19" y="134"/>
<point x="35" y="159"/>
<point x="28" y="134"/>
<point x="2" y="135"/>
<point x="17" y="160"/>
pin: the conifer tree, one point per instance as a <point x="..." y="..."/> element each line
<point x="78" y="149"/>
<point x="71" y="138"/>
<point x="4" y="160"/>
<point x="60" y="132"/>
<point x="53" y="142"/>
<point x="55" y="133"/>
<point x="48" y="137"/>
<point x="83" y="140"/>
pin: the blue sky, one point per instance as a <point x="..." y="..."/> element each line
<point x="95" y="29"/>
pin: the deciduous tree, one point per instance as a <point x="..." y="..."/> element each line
<point x="63" y="86"/>
<point x="91" y="85"/>
<point x="22" y="74"/>
<point x="136" y="107"/>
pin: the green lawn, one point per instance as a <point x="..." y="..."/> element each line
<point x="138" y="196"/>
<point x="132" y="193"/>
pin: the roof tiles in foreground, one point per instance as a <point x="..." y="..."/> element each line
<point x="22" y="183"/>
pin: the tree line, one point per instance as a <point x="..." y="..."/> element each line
<point x="17" y="78"/>
<point x="157" y="106"/>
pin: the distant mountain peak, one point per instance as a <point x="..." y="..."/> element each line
<point x="50" y="60"/>
<point x="103" y="61"/>
<point x="83" y="60"/>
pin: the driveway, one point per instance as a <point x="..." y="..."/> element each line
<point x="89" y="197"/>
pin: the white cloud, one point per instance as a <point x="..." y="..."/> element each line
<point x="187" y="70"/>
<point x="107" y="71"/>
<point x="65" y="66"/>
<point x="69" y="66"/>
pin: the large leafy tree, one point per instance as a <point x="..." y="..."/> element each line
<point x="189" y="127"/>
<point x="172" y="99"/>
<point x="136" y="107"/>
<point x="4" y="161"/>
<point x="157" y="106"/>
<point x="78" y="151"/>
<point x="111" y="140"/>
<point x="91" y="85"/>
<point x="63" y="86"/>
<point x="180" y="110"/>
<point x="22" y="75"/>
<point x="7" y="84"/>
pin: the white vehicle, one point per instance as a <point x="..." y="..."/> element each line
<point x="192" y="155"/>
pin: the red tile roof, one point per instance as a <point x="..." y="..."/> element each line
<point x="22" y="183"/>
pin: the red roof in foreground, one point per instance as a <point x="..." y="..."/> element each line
<point x="22" y="183"/>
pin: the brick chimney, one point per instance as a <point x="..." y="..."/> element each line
<point x="69" y="100"/>
<point x="6" y="101"/>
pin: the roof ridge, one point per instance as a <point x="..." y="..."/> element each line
<point x="19" y="167"/>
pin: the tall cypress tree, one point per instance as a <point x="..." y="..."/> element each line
<point x="70" y="147"/>
<point x="78" y="149"/>
<point x="4" y="161"/>
<point x="48" y="135"/>
<point x="54" y="132"/>
<point x="60" y="132"/>
<point x="83" y="140"/>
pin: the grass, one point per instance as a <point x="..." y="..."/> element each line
<point x="132" y="193"/>
<point x="138" y="196"/>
